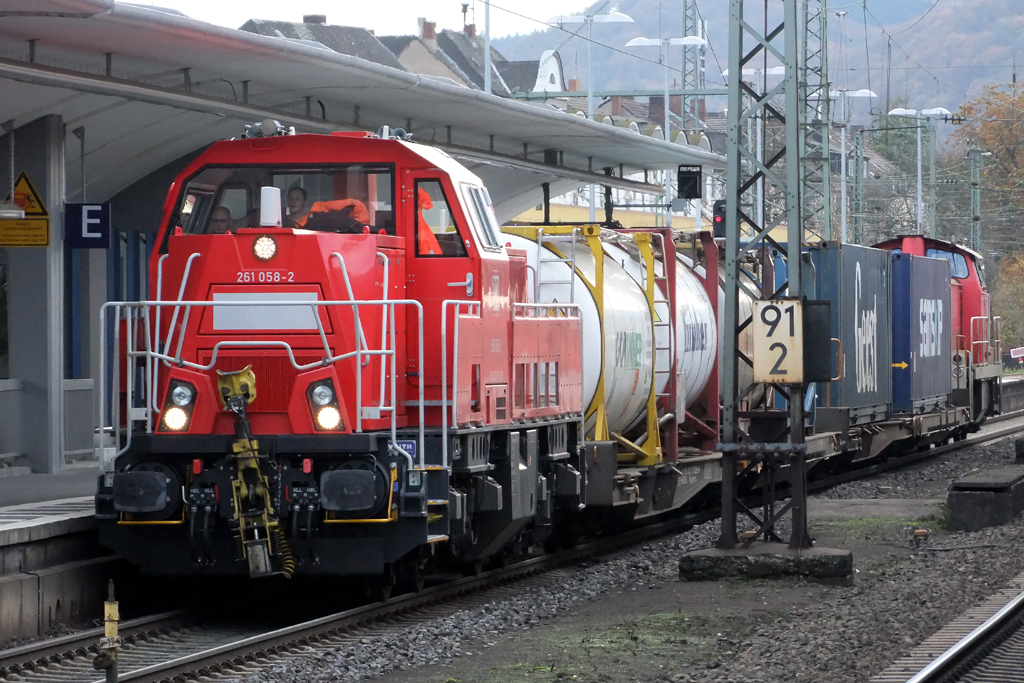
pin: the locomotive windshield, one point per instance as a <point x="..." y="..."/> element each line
<point x="341" y="199"/>
<point x="957" y="262"/>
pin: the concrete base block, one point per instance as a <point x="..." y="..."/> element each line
<point x="985" y="498"/>
<point x="766" y="561"/>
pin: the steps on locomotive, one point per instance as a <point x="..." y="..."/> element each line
<point x="438" y="505"/>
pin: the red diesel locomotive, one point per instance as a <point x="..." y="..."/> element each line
<point x="296" y="376"/>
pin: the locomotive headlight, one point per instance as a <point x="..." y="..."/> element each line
<point x="328" y="418"/>
<point x="175" y="418"/>
<point x="182" y="395"/>
<point x="322" y="395"/>
<point x="264" y="248"/>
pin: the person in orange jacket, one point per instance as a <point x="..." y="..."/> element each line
<point x="426" y="241"/>
<point x="339" y="215"/>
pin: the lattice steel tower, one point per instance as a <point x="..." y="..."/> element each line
<point x="815" y="166"/>
<point x="751" y="433"/>
<point x="691" y="62"/>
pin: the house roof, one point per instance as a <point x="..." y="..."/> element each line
<point x="346" y="40"/>
<point x="469" y="56"/>
<point x="521" y="76"/>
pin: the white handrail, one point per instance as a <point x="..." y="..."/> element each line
<point x="348" y="288"/>
<point x="455" y="367"/>
<point x="384" y="325"/>
<point x="137" y="313"/>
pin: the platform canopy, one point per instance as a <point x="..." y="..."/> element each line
<point x="150" y="85"/>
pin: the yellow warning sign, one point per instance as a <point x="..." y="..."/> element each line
<point x="34" y="229"/>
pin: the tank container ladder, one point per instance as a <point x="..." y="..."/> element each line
<point x="561" y="239"/>
<point x="664" y="246"/>
<point x="648" y="452"/>
<point x="668" y="323"/>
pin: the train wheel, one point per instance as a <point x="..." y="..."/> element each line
<point x="383" y="586"/>
<point x="414" y="571"/>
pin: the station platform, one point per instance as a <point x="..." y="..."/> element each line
<point x="32" y="522"/>
<point x="40" y="488"/>
<point x="38" y="506"/>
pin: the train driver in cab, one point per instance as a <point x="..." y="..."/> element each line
<point x="297" y="209"/>
<point x="221" y="222"/>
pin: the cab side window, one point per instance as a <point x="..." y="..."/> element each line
<point x="436" y="231"/>
<point x="957" y="262"/>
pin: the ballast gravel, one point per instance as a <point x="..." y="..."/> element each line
<point x="440" y="640"/>
<point x="900" y="597"/>
<point x="922" y="481"/>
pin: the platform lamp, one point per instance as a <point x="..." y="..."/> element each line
<point x="921" y="117"/>
<point x="10" y="210"/>
<point x="844" y="96"/>
<point x="588" y="20"/>
<point x="664" y="44"/>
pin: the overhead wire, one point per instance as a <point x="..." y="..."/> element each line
<point x="574" y="33"/>
<point x="927" y="12"/>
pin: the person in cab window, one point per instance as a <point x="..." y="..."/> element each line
<point x="426" y="242"/>
<point x="220" y="221"/>
<point x="344" y="216"/>
<point x="297" y="209"/>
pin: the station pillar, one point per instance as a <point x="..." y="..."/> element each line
<point x="35" y="300"/>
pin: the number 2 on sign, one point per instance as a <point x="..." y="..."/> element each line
<point x="777" y="330"/>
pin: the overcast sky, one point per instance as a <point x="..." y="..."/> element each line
<point x="385" y="17"/>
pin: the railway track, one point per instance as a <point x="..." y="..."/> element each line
<point x="173" y="646"/>
<point x="181" y="645"/>
<point x="984" y="645"/>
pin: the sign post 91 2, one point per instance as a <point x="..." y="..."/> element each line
<point x="778" y="330"/>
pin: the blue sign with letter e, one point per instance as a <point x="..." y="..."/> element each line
<point x="87" y="226"/>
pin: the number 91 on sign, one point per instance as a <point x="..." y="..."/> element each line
<point x="778" y="331"/>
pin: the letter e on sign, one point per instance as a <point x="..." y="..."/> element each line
<point x="87" y="226"/>
<point x="778" y="331"/>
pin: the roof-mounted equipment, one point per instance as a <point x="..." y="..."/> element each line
<point x="267" y="128"/>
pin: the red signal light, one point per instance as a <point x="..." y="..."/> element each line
<point x="197" y="466"/>
<point x="307" y="465"/>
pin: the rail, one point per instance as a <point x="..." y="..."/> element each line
<point x="137" y="317"/>
<point x="974" y="642"/>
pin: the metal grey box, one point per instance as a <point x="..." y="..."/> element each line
<point x="857" y="281"/>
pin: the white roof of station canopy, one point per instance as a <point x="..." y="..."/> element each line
<point x="151" y="86"/>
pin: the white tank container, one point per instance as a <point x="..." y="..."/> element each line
<point x="629" y="345"/>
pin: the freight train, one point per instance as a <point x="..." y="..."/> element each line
<point x="347" y="367"/>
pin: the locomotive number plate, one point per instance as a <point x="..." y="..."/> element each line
<point x="778" y="332"/>
<point x="265" y="276"/>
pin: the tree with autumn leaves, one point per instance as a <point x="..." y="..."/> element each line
<point x="994" y="124"/>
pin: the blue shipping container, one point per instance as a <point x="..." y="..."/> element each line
<point x="857" y="281"/>
<point x="921" y="335"/>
